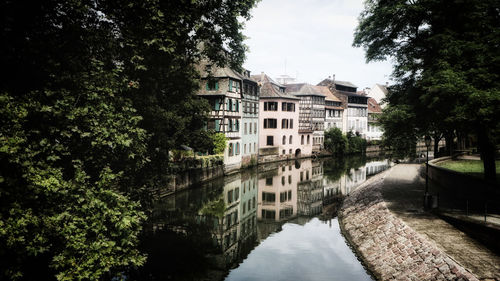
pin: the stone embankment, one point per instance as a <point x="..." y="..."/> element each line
<point x="388" y="246"/>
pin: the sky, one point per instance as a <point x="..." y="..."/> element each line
<point x="310" y="40"/>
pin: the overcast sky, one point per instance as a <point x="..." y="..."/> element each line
<point x="313" y="39"/>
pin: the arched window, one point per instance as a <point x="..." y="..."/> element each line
<point x="308" y="139"/>
<point x="290" y="141"/>
<point x="302" y="139"/>
<point x="284" y="139"/>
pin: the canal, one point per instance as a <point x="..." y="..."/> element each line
<point x="275" y="222"/>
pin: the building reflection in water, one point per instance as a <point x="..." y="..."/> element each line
<point x="241" y="210"/>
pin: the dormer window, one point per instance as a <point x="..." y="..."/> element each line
<point x="212" y="85"/>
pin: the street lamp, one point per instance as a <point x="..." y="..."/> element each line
<point x="427" y="140"/>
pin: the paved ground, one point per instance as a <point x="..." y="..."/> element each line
<point x="385" y="222"/>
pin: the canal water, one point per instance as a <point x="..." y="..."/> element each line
<point x="275" y="222"/>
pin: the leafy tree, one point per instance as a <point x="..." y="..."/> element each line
<point x="355" y="143"/>
<point x="219" y="141"/>
<point x="446" y="64"/>
<point x="95" y="96"/>
<point x="335" y="141"/>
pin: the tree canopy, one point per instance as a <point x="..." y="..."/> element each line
<point x="446" y="64"/>
<point x="94" y="96"/>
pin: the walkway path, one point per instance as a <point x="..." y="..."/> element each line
<point x="385" y="222"/>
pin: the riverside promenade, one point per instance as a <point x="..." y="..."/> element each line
<point x="385" y="222"/>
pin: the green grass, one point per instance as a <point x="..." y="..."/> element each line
<point x="471" y="167"/>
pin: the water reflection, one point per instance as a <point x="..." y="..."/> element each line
<point x="202" y="233"/>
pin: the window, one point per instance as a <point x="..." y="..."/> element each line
<point x="284" y="141"/>
<point x="230" y="149"/>
<point x="284" y="152"/>
<point x="283" y="180"/>
<point x="301" y="175"/>
<point x="269" y="181"/>
<point x="245" y="131"/>
<point x="290" y="141"/>
<point x="268" y="197"/>
<point x="255" y="127"/>
<point x="270" y="140"/>
<point x="307" y="139"/>
<point x="245" y="148"/>
<point x="302" y="139"/>
<point x="250" y="131"/>
<point x="237" y="148"/>
<point x="290" y="151"/>
<point x="289" y="180"/>
<point x="212" y="85"/>
<point x="270" y="106"/>
<point x="291" y="123"/>
<point x="270" y="123"/>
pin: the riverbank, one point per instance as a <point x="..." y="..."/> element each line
<point x="385" y="223"/>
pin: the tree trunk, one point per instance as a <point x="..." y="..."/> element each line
<point x="487" y="148"/>
<point x="437" y="138"/>
<point x="448" y="137"/>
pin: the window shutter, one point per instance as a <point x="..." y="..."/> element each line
<point x="216" y="104"/>
<point x="230" y="85"/>
<point x="206" y="86"/>
<point x="216" y="86"/>
<point x="238" y="106"/>
<point x="217" y="125"/>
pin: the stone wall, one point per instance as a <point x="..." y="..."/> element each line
<point x="388" y="247"/>
<point x="455" y="189"/>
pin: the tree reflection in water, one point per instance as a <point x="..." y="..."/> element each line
<point x="201" y="233"/>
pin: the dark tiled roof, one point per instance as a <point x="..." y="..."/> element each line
<point x="345" y="84"/>
<point x="268" y="90"/>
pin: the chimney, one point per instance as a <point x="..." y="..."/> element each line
<point x="262" y="77"/>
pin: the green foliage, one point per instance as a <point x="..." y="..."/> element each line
<point x="215" y="208"/>
<point x="446" y="66"/>
<point x="340" y="144"/>
<point x="335" y="141"/>
<point x="219" y="143"/>
<point x="355" y="143"/>
<point x="398" y="123"/>
<point x="95" y="96"/>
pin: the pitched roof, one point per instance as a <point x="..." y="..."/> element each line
<point x="264" y="78"/>
<point x="303" y="89"/>
<point x="345" y="83"/>
<point x="270" y="88"/>
<point x="328" y="94"/>
<point x="207" y="69"/>
<point x="373" y="106"/>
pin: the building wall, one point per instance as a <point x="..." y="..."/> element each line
<point x="357" y="118"/>
<point x="281" y="149"/>
<point x="228" y="112"/>
<point x="378" y="94"/>
<point x="250" y="126"/>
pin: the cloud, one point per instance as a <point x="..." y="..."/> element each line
<point x="311" y="39"/>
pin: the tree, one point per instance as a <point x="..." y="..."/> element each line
<point x="219" y="141"/>
<point x="95" y="96"/>
<point x="446" y="58"/>
<point x="335" y="141"/>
